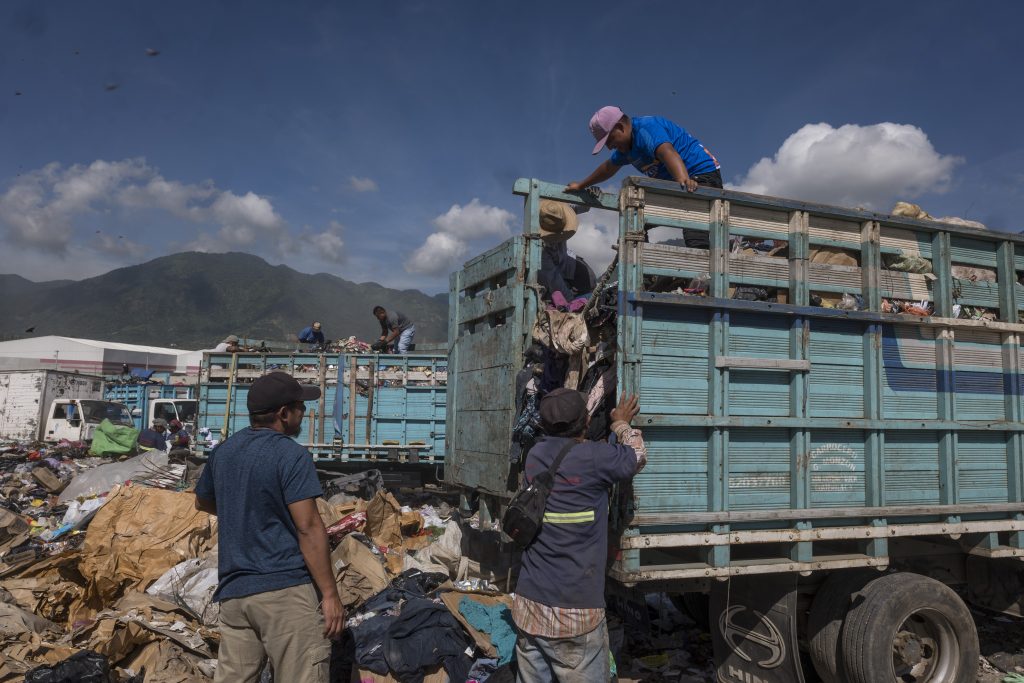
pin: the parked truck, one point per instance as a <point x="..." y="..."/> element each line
<point x="375" y="410"/>
<point x="836" y="479"/>
<point x="49" y="405"/>
<point x="147" y="402"/>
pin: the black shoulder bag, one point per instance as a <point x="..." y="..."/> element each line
<point x="525" y="512"/>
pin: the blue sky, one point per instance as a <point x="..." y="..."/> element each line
<point x="381" y="142"/>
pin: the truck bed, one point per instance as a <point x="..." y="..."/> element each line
<point x="781" y="436"/>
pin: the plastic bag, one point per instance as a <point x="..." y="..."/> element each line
<point x="851" y="302"/>
<point x="191" y="582"/>
<point x="82" y="667"/>
<point x="111" y="439"/>
<point x="698" y="285"/>
<point x="105" y="477"/>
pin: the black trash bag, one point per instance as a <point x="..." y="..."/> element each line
<point x="86" y="666"/>
<point x="750" y="293"/>
<point x="418" y="582"/>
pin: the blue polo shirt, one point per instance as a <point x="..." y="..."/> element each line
<point x="565" y="564"/>
<point x="253" y="477"/>
<point x="649" y="133"/>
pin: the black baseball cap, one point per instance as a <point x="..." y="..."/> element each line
<point x="563" y="411"/>
<point x="276" y="389"/>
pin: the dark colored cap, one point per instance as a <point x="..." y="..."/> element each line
<point x="276" y="389"/>
<point x="563" y="411"/>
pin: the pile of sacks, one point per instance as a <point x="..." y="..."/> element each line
<point x="92" y="599"/>
<point x="133" y="600"/>
<point x="418" y="608"/>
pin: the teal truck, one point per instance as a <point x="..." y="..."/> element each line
<point x="375" y="410"/>
<point x="834" y="429"/>
<point x="148" y="402"/>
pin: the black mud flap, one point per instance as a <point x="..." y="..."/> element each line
<point x="753" y="626"/>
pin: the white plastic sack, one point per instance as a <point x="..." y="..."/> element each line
<point x="444" y="555"/>
<point x="77" y="511"/>
<point x="105" y="477"/>
<point x="191" y="583"/>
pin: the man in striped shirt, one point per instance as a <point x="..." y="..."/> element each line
<point x="559" y="601"/>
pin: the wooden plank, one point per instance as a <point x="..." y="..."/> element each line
<point x="816" y="312"/>
<point x="485" y="303"/>
<point x="494" y="263"/>
<point x="832" y="533"/>
<point x="745" y="516"/>
<point x="826" y="210"/>
<point x="762" y="363"/>
<point x="745" y="568"/>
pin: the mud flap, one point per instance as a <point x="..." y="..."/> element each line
<point x="996" y="584"/>
<point x="753" y="627"/>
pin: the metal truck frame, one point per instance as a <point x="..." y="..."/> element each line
<point x="786" y="441"/>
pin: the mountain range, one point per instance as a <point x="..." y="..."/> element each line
<point x="194" y="300"/>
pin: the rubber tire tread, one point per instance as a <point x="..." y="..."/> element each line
<point x="866" y="645"/>
<point x="825" y="619"/>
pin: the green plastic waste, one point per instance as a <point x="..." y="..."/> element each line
<point x="111" y="439"/>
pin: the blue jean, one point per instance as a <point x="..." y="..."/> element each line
<point x="582" y="659"/>
<point x="404" y="342"/>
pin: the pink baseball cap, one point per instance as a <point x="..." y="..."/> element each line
<point x="601" y="124"/>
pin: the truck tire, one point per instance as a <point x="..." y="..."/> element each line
<point x="825" y="619"/>
<point x="908" y="627"/>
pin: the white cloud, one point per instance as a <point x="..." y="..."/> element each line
<point x="474" y="220"/>
<point x="868" y="166"/>
<point x="326" y="245"/>
<point x="594" y="239"/>
<point x="437" y="256"/>
<point x="456" y="229"/>
<point x="41" y="208"/>
<point x="357" y="184"/>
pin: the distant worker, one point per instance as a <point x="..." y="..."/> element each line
<point x="177" y="435"/>
<point x="559" y="599"/>
<point x="155" y="437"/>
<point x="276" y="588"/>
<point x="229" y="345"/>
<point x="312" y="335"/>
<point x="656" y="147"/>
<point x="396" y="331"/>
<point x="563" y="274"/>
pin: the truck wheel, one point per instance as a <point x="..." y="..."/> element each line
<point x="909" y="628"/>
<point x="825" y="619"/>
<point x="697" y="606"/>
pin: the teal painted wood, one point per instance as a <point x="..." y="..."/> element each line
<point x="894" y="413"/>
<point x="406" y="412"/>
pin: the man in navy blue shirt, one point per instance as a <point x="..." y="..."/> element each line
<point x="312" y="335"/>
<point x="155" y="437"/>
<point x="276" y="589"/>
<point x="656" y="147"/>
<point x="559" y="602"/>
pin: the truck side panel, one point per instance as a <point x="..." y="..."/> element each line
<point x="26" y="395"/>
<point x="813" y="431"/>
<point x="401" y="418"/>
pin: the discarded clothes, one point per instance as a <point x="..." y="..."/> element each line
<point x="495" y="621"/>
<point x="424" y="635"/>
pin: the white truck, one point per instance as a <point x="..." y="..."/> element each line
<point x="49" y="405"/>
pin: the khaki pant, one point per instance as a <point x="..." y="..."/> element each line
<point x="285" y="625"/>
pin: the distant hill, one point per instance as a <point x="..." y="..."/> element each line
<point x="194" y="300"/>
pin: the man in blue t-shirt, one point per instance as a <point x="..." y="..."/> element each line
<point x="312" y="335"/>
<point x="559" y="602"/>
<point x="656" y="147"/>
<point x="276" y="588"/>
